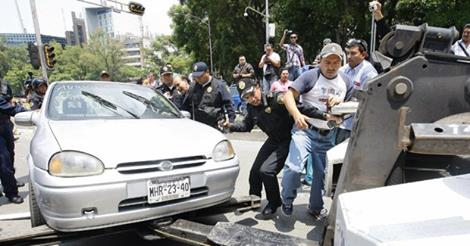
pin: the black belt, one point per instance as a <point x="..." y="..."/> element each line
<point x="322" y="132"/>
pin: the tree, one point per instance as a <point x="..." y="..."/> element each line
<point x="232" y="34"/>
<point x="163" y="51"/>
<point x="108" y="53"/>
<point x="15" y="65"/>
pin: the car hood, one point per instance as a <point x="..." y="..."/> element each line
<point x="119" y="141"/>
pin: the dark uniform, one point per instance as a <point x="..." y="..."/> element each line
<point x="7" y="148"/>
<point x="210" y="102"/>
<point x="36" y="96"/>
<point x="274" y="120"/>
<point x="174" y="95"/>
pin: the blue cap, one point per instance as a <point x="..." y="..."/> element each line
<point x="199" y="68"/>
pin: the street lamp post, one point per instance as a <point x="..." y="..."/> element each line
<point x="208" y="23"/>
<point x="265" y="15"/>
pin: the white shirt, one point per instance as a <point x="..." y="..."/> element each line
<point x="458" y="50"/>
<point x="275" y="58"/>
<point x="318" y="95"/>
<point x="360" y="73"/>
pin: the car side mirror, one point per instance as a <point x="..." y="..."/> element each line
<point x="186" y="114"/>
<point x="25" y="118"/>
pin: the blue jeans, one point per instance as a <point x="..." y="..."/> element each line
<point x="294" y="72"/>
<point x="267" y="82"/>
<point x="309" y="170"/>
<point x="304" y="142"/>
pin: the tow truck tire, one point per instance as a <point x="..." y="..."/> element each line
<point x="36" y="216"/>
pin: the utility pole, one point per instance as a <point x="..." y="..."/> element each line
<point x="141" y="23"/>
<point x="210" y="44"/>
<point x="19" y="16"/>
<point x="267" y="21"/>
<point x="38" y="39"/>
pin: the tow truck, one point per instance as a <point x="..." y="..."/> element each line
<point x="412" y="124"/>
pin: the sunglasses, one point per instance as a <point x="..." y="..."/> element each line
<point x="356" y="42"/>
<point x="294" y="37"/>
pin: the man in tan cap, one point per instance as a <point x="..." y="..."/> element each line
<point x="104" y="76"/>
<point x="319" y="88"/>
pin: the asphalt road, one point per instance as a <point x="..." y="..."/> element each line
<point x="246" y="146"/>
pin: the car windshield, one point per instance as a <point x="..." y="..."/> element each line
<point x="83" y="100"/>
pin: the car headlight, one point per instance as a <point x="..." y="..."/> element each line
<point x="223" y="151"/>
<point x="74" y="164"/>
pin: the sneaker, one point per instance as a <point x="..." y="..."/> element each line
<point x="287" y="209"/>
<point x="318" y="215"/>
<point x="305" y="182"/>
<point x="269" y="210"/>
<point x="16" y="199"/>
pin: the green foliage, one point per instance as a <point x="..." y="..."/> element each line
<point x="443" y="13"/>
<point x="108" y="53"/>
<point x="234" y="35"/>
<point x="163" y="51"/>
<point x="14" y="66"/>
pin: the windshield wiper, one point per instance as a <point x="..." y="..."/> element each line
<point x="107" y="104"/>
<point x="145" y="101"/>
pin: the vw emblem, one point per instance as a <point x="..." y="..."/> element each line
<point x="166" y="166"/>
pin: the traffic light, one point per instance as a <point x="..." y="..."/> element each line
<point x="136" y="8"/>
<point x="49" y="55"/>
<point x="34" y="55"/>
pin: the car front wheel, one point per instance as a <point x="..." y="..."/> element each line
<point x="36" y="216"/>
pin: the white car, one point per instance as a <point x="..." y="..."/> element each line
<point x="107" y="153"/>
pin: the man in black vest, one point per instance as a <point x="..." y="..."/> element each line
<point x="274" y="120"/>
<point x="209" y="98"/>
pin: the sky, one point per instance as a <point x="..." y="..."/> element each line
<point x="55" y="16"/>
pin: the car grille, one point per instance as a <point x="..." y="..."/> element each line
<point x="141" y="202"/>
<point x="151" y="166"/>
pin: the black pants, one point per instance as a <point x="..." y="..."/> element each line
<point x="268" y="163"/>
<point x="7" y="155"/>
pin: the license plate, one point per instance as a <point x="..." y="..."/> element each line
<point x="166" y="190"/>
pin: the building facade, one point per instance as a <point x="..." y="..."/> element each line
<point x="15" y="39"/>
<point x="78" y="36"/>
<point x="100" y="18"/>
<point x="132" y="51"/>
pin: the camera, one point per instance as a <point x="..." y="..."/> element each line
<point x="288" y="32"/>
<point x="372" y="6"/>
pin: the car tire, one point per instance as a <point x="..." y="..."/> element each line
<point x="36" y="216"/>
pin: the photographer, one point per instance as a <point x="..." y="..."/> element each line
<point x="294" y="53"/>
<point x="270" y="62"/>
<point x="382" y="28"/>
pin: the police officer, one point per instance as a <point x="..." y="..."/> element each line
<point x="39" y="90"/>
<point x="167" y="86"/>
<point x="274" y="120"/>
<point x="7" y="146"/>
<point x="209" y="99"/>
